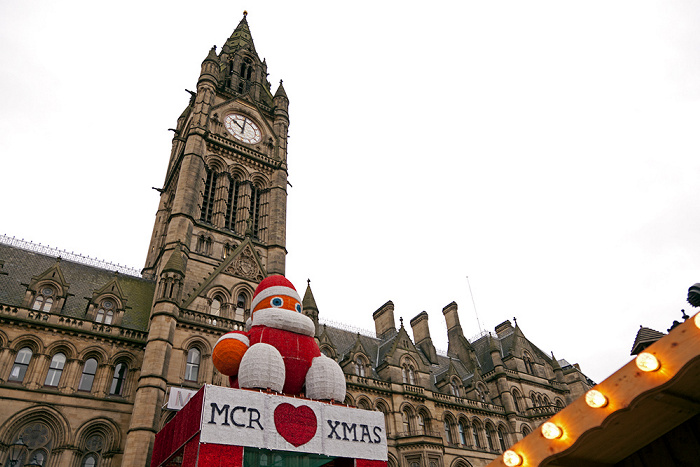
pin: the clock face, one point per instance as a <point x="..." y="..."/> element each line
<point x="243" y="128"/>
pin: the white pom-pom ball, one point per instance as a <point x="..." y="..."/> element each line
<point x="325" y="380"/>
<point x="262" y="367"/>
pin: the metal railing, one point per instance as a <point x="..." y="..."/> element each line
<point x="68" y="255"/>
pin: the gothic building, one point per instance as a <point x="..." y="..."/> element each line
<point x="88" y="356"/>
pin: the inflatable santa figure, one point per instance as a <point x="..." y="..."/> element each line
<point x="279" y="351"/>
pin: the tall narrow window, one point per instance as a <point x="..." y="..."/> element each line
<point x="55" y="370"/>
<point x="246" y="74"/>
<point x="475" y="433"/>
<point x="215" y="308"/>
<point x="489" y="437"/>
<point x="192" y="367"/>
<point x="359" y="366"/>
<point x="227" y="81"/>
<point x="528" y="364"/>
<point x="232" y="203"/>
<point x="406" y="419"/>
<point x="448" y="433"/>
<point x="255" y="196"/>
<point x="88" y="376"/>
<point x="19" y="369"/>
<point x="208" y="197"/>
<point x="240" y="306"/>
<point x="89" y="461"/>
<point x="502" y="438"/>
<point x="117" y="387"/>
<point x="462" y="430"/>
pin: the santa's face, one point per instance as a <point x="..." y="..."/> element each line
<point x="282" y="302"/>
<point x="277" y="304"/>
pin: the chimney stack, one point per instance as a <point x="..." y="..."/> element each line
<point x="421" y="336"/>
<point x="384" y="320"/>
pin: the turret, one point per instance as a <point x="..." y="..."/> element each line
<point x="308" y="306"/>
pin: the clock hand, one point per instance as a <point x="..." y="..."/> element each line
<point x="243" y="127"/>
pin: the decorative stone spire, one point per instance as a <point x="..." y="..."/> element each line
<point x="309" y="307"/>
<point x="281" y="92"/>
<point x="241" y="37"/>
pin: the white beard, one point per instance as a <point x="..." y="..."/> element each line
<point x="279" y="318"/>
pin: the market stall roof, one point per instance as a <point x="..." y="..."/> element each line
<point x="647" y="414"/>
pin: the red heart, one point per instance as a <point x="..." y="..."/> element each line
<point x="297" y="425"/>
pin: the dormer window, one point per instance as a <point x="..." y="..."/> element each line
<point x="105" y="314"/>
<point x="44" y="299"/>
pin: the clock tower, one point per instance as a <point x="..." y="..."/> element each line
<point x="220" y="225"/>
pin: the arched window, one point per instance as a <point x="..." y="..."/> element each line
<point x="19" y="369"/>
<point x="241" y="305"/>
<point x="408" y="374"/>
<point x="462" y="433"/>
<point x="519" y="401"/>
<point x="93" y="446"/>
<point x="489" y="437"/>
<point x="118" y="380"/>
<point x="454" y="388"/>
<point x="192" y="367"/>
<point x="38" y="439"/>
<point x="528" y="363"/>
<point x="232" y="203"/>
<point x="246" y="74"/>
<point x="406" y="419"/>
<point x="88" y="376"/>
<point x="502" y="438"/>
<point x="89" y="461"/>
<point x="105" y="313"/>
<point x="208" y="196"/>
<point x="44" y="299"/>
<point x="448" y="433"/>
<point x="525" y="430"/>
<point x="481" y="391"/>
<point x="37" y="458"/>
<point x="215" y="308"/>
<point x="55" y="370"/>
<point x="475" y="433"/>
<point x="359" y="366"/>
<point x="255" y="205"/>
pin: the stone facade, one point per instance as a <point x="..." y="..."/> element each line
<point x="88" y="356"/>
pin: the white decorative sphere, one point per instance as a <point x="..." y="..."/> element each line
<point x="325" y="380"/>
<point x="262" y="367"/>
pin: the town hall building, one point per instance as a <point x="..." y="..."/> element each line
<point x="90" y="355"/>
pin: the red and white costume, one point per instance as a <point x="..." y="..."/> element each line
<point x="279" y="351"/>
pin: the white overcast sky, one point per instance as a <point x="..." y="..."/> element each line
<point x="546" y="150"/>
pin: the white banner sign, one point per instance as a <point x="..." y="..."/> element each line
<point x="179" y="397"/>
<point x="246" y="418"/>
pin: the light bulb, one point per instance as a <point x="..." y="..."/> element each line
<point x="551" y="431"/>
<point x="512" y="458"/>
<point x="697" y="320"/>
<point x="647" y="362"/>
<point x="596" y="399"/>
